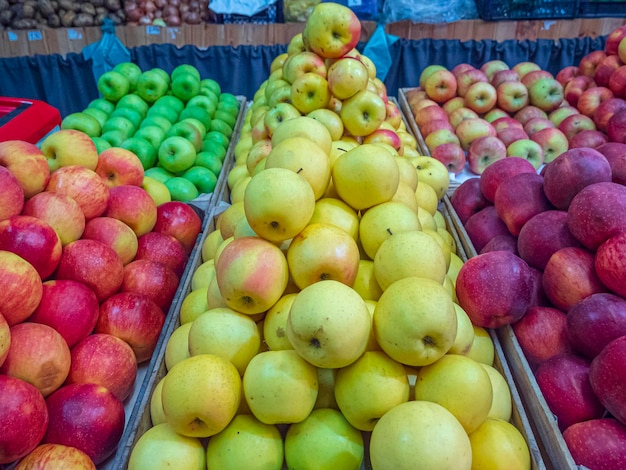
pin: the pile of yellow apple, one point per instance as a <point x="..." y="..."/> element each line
<point x="323" y="314"/>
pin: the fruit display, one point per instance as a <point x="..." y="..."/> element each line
<point x="166" y="13"/>
<point x="90" y="266"/>
<point x="178" y="124"/>
<point x="321" y="315"/>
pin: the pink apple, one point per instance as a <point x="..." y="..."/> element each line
<point x="572" y="125"/>
<point x="610" y="263"/>
<point x="93" y="263"/>
<point x="55" y="456"/>
<point x="502" y="242"/>
<point x="114" y="233"/>
<point x="70" y="307"/>
<point x="561" y="113"/>
<point x="164" y="249"/>
<point x="505" y="123"/>
<point x="118" y="166"/>
<point x="440" y="136"/>
<point x="588" y="139"/>
<point x="96" y="430"/>
<point x="21" y="287"/>
<point x="60" y="211"/>
<point x="133" y="206"/>
<point x="460" y="114"/>
<point x="385" y="136"/>
<point x="569" y="276"/>
<point x="552" y="141"/>
<point x="23" y="418"/>
<point x="542" y="235"/>
<point x="564" y="383"/>
<point x="591" y="98"/>
<point x="5" y="339"/>
<point x="605" y="68"/>
<point x="179" y="220"/>
<point x="589" y="62"/>
<point x="502" y="76"/>
<point x="494" y="288"/>
<point x="617" y="81"/>
<point x="394" y="114"/>
<point x="468" y="199"/>
<point x="522" y="68"/>
<point x="451" y="155"/>
<point x="616" y="127"/>
<point x="531" y="77"/>
<point x="462" y="67"/>
<point x="597" y="443"/>
<point x="136" y="319"/>
<point x="434" y="125"/>
<point x="39" y="355"/>
<point x="12" y="195"/>
<point x="481" y="97"/>
<point x="595" y="321"/>
<point x="527" y="113"/>
<point x="34" y="240"/>
<point x="466" y="78"/>
<point x="84" y="186"/>
<point x="512" y="96"/>
<point x="471" y="129"/>
<point x="483" y="152"/>
<point x="27" y="163"/>
<point x="607" y="375"/>
<point x="537" y="124"/>
<point x="152" y="279"/>
<point x="440" y="86"/>
<point x="615" y="153"/>
<point x="452" y="104"/>
<point x="605" y="111"/>
<point x="483" y="226"/>
<point x="104" y="360"/>
<point x="491" y="67"/>
<point x="611" y="45"/>
<point x="566" y="74"/>
<point x="428" y="114"/>
<point x="511" y="134"/>
<point x="576" y="87"/>
<point x="502" y="170"/>
<point x="542" y="334"/>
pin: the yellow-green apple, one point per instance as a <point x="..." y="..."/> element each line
<point x="304" y="126"/>
<point x="117" y="166"/>
<point x="528" y="149"/>
<point x="483" y="152"/>
<point x="588" y="139"/>
<point x="281" y="94"/>
<point x="409" y="424"/>
<point x="460" y="114"/>
<point x="440" y="86"/>
<point x="299" y="64"/>
<point x="363" y="113"/>
<point x="531" y="77"/>
<point x="69" y="147"/>
<point x="493" y="66"/>
<point x="133" y="206"/>
<point x="481" y="97"/>
<point x="501" y="406"/>
<point x="176" y="350"/>
<point x="522" y="68"/>
<point x="591" y="98"/>
<point x="616" y="127"/>
<point x="499" y="171"/>
<point x="275" y="323"/>
<point x="322" y="251"/>
<point x="12" y="197"/>
<point x="163" y="248"/>
<point x="114" y="233"/>
<point x="452" y="104"/>
<point x="604" y="374"/>
<point x="385" y="380"/>
<point x="273" y="86"/>
<point x="394" y="114"/>
<point x="501" y="76"/>
<point x="331" y="30"/>
<point x="575" y="87"/>
<point x="309" y="92"/>
<point x="589" y="442"/>
<point x="186" y="130"/>
<point x="328" y="341"/>
<point x="324" y="438"/>
<point x="112" y="85"/>
<point x="512" y="96"/>
<point x="23" y="416"/>
<point x="406" y="330"/>
<point x="495" y="113"/>
<point x="427" y="72"/>
<point x="252" y="274"/>
<point x="258" y="152"/>
<point x="464" y="332"/>
<point x="379" y="87"/>
<point x="152" y="279"/>
<point x="22" y="286"/>
<point x="423" y="103"/>
<point x="276" y="115"/>
<point x="179" y="220"/>
<point x="487" y="304"/>
<point x="295" y="45"/>
<point x="55" y="457"/>
<point x="470" y="129"/>
<point x="27" y="164"/>
<point x="84" y="186"/>
<point x="616" y="82"/>
<point x="605" y="111"/>
<point x="433" y="173"/>
<point x="346" y="77"/>
<point x="336" y="212"/>
<point x="546" y="94"/>
<point x="553" y="142"/>
<point x="70" y="307"/>
<point x="608" y="264"/>
<point x="451" y="155"/>
<point x="96" y="431"/>
<point x="105" y="360"/>
<point x="331" y="121"/>
<point x="468" y="199"/>
<point x="39" y="355"/>
<point x="466" y="77"/>
<point x="157" y="190"/>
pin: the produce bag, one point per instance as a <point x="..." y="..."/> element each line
<point x="107" y="52"/>
<point x="377" y="49"/>
<point x="240" y="7"/>
<point x="429" y="11"/>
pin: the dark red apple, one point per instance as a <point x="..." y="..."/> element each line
<point x="164" y="249"/>
<point x="179" y="220"/>
<point x="86" y="416"/>
<point x="597" y="443"/>
<point x="539" y="297"/>
<point x="153" y="279"/>
<point x="501" y="170"/>
<point x="616" y="127"/>
<point x="588" y="139"/>
<point x="483" y="226"/>
<point x="503" y="242"/>
<point x="542" y="334"/>
<point x="468" y="199"/>
<point x="605" y="111"/>
<point x="564" y="382"/>
<point x="611" y="45"/>
<point x="610" y="263"/>
<point x="608" y="376"/>
<point x="494" y="288"/>
<point x="615" y="153"/>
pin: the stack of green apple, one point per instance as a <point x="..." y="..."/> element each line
<point x="179" y="125"/>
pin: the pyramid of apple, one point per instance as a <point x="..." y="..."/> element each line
<point x="89" y="266"/>
<point x="178" y="124"/>
<point x="324" y="308"/>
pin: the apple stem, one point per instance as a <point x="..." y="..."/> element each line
<point x="389" y="231"/>
<point x="429" y="340"/>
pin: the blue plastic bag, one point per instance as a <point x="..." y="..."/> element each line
<point x="107" y="52"/>
<point x="377" y="50"/>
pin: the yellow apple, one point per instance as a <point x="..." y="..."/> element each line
<point x="69" y="147"/>
<point x="501" y="407"/>
<point x="329" y="210"/>
<point x="420" y="434"/>
<point x="365" y="283"/>
<point x="221" y="247"/>
<point x="427" y="198"/>
<point x="450" y="288"/>
<point x="186" y="388"/>
<point x="203" y="275"/>
<point x="236" y="194"/>
<point x="329" y="340"/>
<point x="275" y="324"/>
<point x="372" y="344"/>
<point x="161" y="447"/>
<point x="405" y="195"/>
<point x="455" y="265"/>
<point x="326" y="388"/>
<point x="246" y="441"/>
<point x="244" y="144"/>
<point x="443" y="243"/>
<point x="225" y="333"/>
<point x="228" y="219"/>
<point x="426" y="219"/>
<point x="498" y="444"/>
<point x="177" y="347"/>
<point x="157" y="190"/>
<point x="331" y="120"/>
<point x="214" y="297"/>
<point x="304" y="126"/>
<point x="432" y="172"/>
<point x="339" y="147"/>
<point x="414" y="321"/>
<point x="448" y="238"/>
<point x="278" y="62"/>
<point x="157" y="415"/>
<point x="238" y="171"/>
<point x="210" y="244"/>
<point x="483" y="349"/>
<point x="243" y="229"/>
<point x="439" y="220"/>
<point x="280" y="387"/>
<point x="464" y="332"/>
<point x="369" y="387"/>
<point x="257" y="153"/>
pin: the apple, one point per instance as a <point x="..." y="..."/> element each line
<point x="152" y="279"/>
<point x="297" y="65"/>
<point x="561" y="113"/>
<point x="531" y="77"/>
<point x="460" y="114"/>
<point x="428" y="114"/>
<point x="527" y="149"/>
<point x="609" y="263"/>
<point x="162" y="248"/>
<point x="114" y="233"/>
<point x="493" y="66"/>
<point x="84" y="186"/>
<point x="185" y="86"/>
<point x="536" y="124"/>
<point x="576" y="123"/>
<point x="597" y="442"/>
<point x="346" y="77"/>
<point x="589" y="62"/>
<point x="542" y="333"/>
<point x="331" y="31"/>
<point x="465" y="78"/>
<point x="573" y="90"/>
<point x="504" y="242"/>
<point x="468" y="199"/>
<point x="615" y="153"/>
<point x="588" y="139"/>
<point x="499" y="171"/>
<point x="470" y="129"/>
<point x="511" y="134"/>
<point x="23" y="417"/>
<point x="616" y="81"/>
<point x="511" y="96"/>
<point x="605" y="69"/>
<point x="5" y="339"/>
<point x="112" y="85"/>
<point x="542" y="235"/>
<point x="151" y="85"/>
<point x="440" y="137"/>
<point x="179" y="220"/>
<point x="606" y="373"/>
<point x="451" y="155"/>
<point x="433" y="173"/>
<point x="133" y="206"/>
<point x="117" y="166"/>
<point x="529" y="112"/>
<point x="566" y="74"/>
<point x="60" y="211"/>
<point x="69" y="147"/>
<point x="440" y="86"/>
<point x="55" y="457"/>
<point x="481" y="97"/>
<point x="12" y="197"/>
<point x="21" y="285"/>
<point x="605" y="111"/>
<point x="483" y="152"/>
<point x="546" y="93"/>
<point x="616" y="127"/>
<point x="494" y="288"/>
<point x="552" y="141"/>
<point x="28" y="165"/>
<point x="494" y="114"/>
<point x="363" y="113"/>
<point x="591" y="98"/>
<point x="501" y="76"/>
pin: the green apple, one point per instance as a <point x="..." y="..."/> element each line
<point x="188" y="131"/>
<point x="158" y="121"/>
<point x="176" y="154"/>
<point x="119" y="123"/>
<point x="181" y="189"/>
<point x="101" y="144"/>
<point x="229" y="107"/>
<point x="196" y="112"/>
<point x="214" y="148"/>
<point x="131" y="71"/>
<point x="229" y="97"/>
<point x="101" y="103"/>
<point x="225" y="116"/>
<point x="185" y="86"/>
<point x="114" y="137"/>
<point x="211" y="85"/>
<point x="219" y="138"/>
<point x="197" y="124"/>
<point x="162" y="109"/>
<point x="203" y="101"/>
<point x="151" y="85"/>
<point x="202" y="178"/>
<point x="129" y="113"/>
<point x="185" y="68"/>
<point x="135" y="102"/>
<point x="210" y="94"/>
<point x="209" y="160"/>
<point x="153" y="134"/>
<point x="97" y="114"/>
<point x="222" y="127"/>
<point x="159" y="174"/>
<point x="83" y="122"/>
<point x="113" y="85"/>
<point x="144" y="150"/>
<point x="171" y="102"/>
<point x="163" y="74"/>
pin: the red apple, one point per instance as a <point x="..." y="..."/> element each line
<point x="21" y="288"/>
<point x="529" y="112"/>
<point x="501" y="170"/>
<point x="462" y="67"/>
<point x="56" y="457"/>
<point x="484" y="152"/>
<point x="591" y="98"/>
<point x="615" y="153"/>
<point x="93" y="263"/>
<point x="70" y="307"/>
<point x="153" y="279"/>
<point x="434" y="125"/>
<point x="440" y="86"/>
<point x="483" y="226"/>
<point x="429" y="113"/>
<point x="566" y="74"/>
<point x="133" y="206"/>
<point x="533" y="76"/>
<point x="467" y="77"/>
<point x="84" y="186"/>
<point x="39" y="355"/>
<point x="576" y="87"/>
<point x="12" y="195"/>
<point x="511" y="134"/>
<point x="179" y="220"/>
<point x="118" y="166"/>
<point x="114" y="233"/>
<point x="23" y="418"/>
<point x="505" y="122"/>
<point x="569" y="277"/>
<point x="552" y="141"/>
<point x="589" y="62"/>
<point x="597" y="443"/>
<point x="617" y="81"/>
<point x="34" y="240"/>
<point x="451" y="155"/>
<point x="96" y="429"/>
<point x="105" y="360"/>
<point x="136" y="319"/>
<point x="610" y="263"/>
<point x="588" y="139"/>
<point x="501" y="76"/>
<point x="605" y="68"/>
<point x="502" y="242"/>
<point x="27" y="163"/>
<point x="162" y="248"/>
<point x="564" y="383"/>
<point x="5" y="339"/>
<point x="608" y="375"/>
<point x="542" y="235"/>
<point x="60" y="211"/>
<point x="616" y="127"/>
<point x="611" y="45"/>
<point x="468" y="199"/>
<point x="605" y="111"/>
<point x="542" y="334"/>
<point x="494" y="288"/>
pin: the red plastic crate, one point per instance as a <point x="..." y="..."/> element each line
<point x="28" y="120"/>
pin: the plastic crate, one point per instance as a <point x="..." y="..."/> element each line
<point x="602" y="8"/>
<point x="28" y="120"/>
<point x="527" y="9"/>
